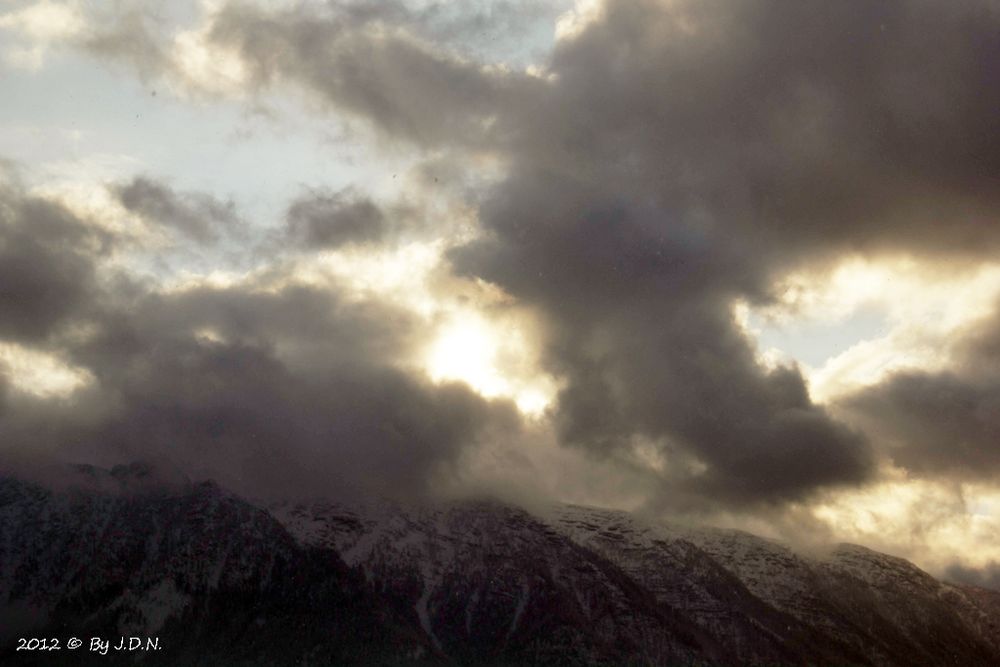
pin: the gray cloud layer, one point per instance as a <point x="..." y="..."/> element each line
<point x="986" y="577"/>
<point x="291" y="389"/>
<point x="326" y="220"/>
<point x="676" y="158"/>
<point x="371" y="70"/>
<point x="47" y="264"/>
<point x="945" y="423"/>
<point x="199" y="216"/>
<point x="299" y="391"/>
<point x="686" y="155"/>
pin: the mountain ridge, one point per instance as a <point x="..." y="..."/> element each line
<point x="226" y="581"/>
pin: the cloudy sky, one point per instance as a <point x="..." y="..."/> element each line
<point x="733" y="262"/>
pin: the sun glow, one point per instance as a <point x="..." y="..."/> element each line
<point x="471" y="349"/>
<point x="466" y="351"/>
<point x="39" y="373"/>
<point x="473" y="337"/>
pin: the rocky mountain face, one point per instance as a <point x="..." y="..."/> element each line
<point x="217" y="580"/>
<point x="223" y="581"/>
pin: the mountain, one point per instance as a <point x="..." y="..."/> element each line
<point x="220" y="580"/>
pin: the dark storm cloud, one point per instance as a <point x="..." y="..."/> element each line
<point x="324" y="220"/>
<point x="685" y="155"/>
<point x="639" y="325"/>
<point x="801" y="128"/>
<point x="678" y="157"/>
<point x="936" y="424"/>
<point x="198" y="216"/>
<point x="945" y="423"/>
<point x="47" y="264"/>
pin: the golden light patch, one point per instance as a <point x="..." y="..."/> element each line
<point x="399" y="275"/>
<point x="37" y="26"/>
<point x="575" y="21"/>
<point x="472" y="350"/>
<point x="935" y="524"/>
<point x="465" y="350"/>
<point x="209" y="335"/>
<point x="94" y="204"/>
<point x="924" y="307"/>
<point x="492" y="353"/>
<point x="40" y="374"/>
<point x="208" y="67"/>
<point x="218" y="279"/>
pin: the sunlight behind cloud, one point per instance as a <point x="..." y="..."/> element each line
<point x="465" y="350"/>
<point x="575" y="21"/>
<point x="470" y="349"/>
<point x="932" y="523"/>
<point x="865" y="319"/>
<point x="398" y="274"/>
<point x="208" y="67"/>
<point x="469" y="337"/>
<point x="36" y="26"/>
<point x="39" y="373"/>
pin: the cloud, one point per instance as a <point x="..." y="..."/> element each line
<point x="942" y="423"/>
<point x="198" y="216"/>
<point x="326" y="220"/>
<point x="668" y="161"/>
<point x="367" y="61"/>
<point x="34" y="28"/>
<point x="985" y="577"/>
<point x="267" y="385"/>
<point x="507" y="29"/>
<point x="131" y="38"/>
<point x="686" y="155"/>
<point x="936" y="423"/>
<point x="403" y="86"/>
<point x="47" y="264"/>
<point x="636" y="304"/>
<point x="642" y="201"/>
<point x="268" y="381"/>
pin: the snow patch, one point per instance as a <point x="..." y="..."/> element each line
<point x="160" y="603"/>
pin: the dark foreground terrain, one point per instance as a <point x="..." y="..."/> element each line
<point x="219" y="580"/>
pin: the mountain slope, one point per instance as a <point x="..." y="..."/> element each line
<point x="491" y="582"/>
<point x="217" y="580"/>
<point x="222" y="581"/>
<point x="851" y="605"/>
<point x="735" y="598"/>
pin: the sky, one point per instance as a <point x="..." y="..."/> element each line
<point x="725" y="262"/>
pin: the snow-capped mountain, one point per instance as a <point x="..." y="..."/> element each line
<point x="221" y="580"/>
<point x="768" y="603"/>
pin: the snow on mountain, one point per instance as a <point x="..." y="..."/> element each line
<point x="852" y="604"/>
<point x="489" y="579"/>
<point x="746" y="599"/>
<point x="222" y="579"/>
